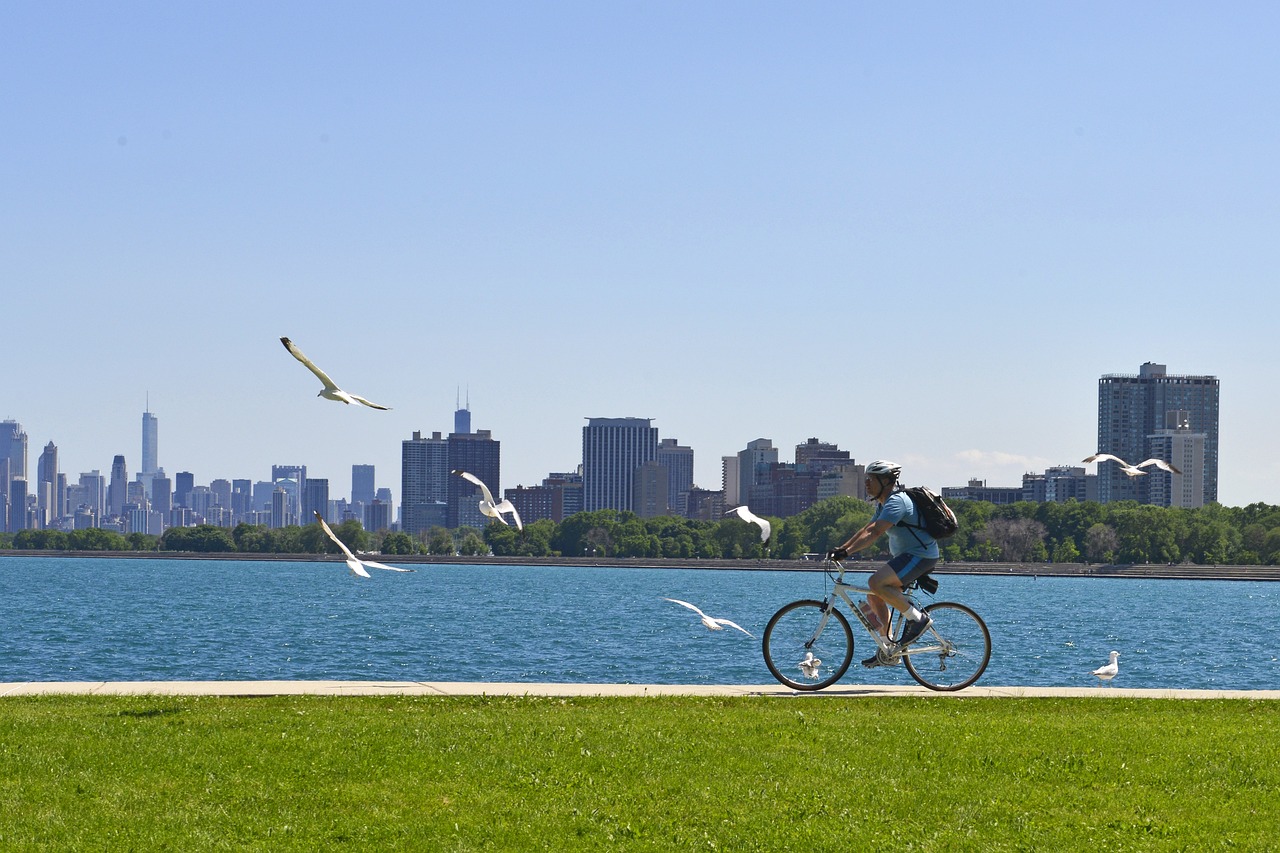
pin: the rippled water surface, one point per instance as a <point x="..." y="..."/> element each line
<point x="85" y="619"/>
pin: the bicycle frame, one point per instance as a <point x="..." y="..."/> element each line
<point x="886" y="648"/>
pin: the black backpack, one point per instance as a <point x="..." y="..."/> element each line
<point x="936" y="518"/>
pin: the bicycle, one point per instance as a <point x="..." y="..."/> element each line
<point x="813" y="640"/>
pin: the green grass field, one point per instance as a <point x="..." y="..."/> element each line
<point x="475" y="773"/>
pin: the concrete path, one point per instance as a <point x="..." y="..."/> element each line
<point x="467" y="688"/>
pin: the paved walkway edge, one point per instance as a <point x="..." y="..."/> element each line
<point x="473" y="688"/>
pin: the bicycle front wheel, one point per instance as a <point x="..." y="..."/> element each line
<point x="806" y="647"/>
<point x="954" y="652"/>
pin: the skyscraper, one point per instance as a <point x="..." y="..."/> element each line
<point x="13" y="466"/>
<point x="315" y="498"/>
<point x="48" y="504"/>
<point x="150" y="434"/>
<point x="612" y="450"/>
<point x="183" y="482"/>
<point x="118" y="488"/>
<point x="13" y="446"/>
<point x="362" y="487"/>
<point x="1134" y="415"/>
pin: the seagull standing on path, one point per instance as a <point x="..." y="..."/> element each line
<point x="330" y="391"/>
<point x="711" y="622"/>
<point x="1109" y="671"/>
<point x="766" y="530"/>
<point x="487" y="506"/>
<point x="1133" y="470"/>
<point x="809" y="666"/>
<point x="356" y="565"/>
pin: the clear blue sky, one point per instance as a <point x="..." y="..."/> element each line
<point x="921" y="232"/>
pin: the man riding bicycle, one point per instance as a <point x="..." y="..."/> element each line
<point x="913" y="552"/>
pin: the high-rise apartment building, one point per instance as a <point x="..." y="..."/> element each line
<point x="754" y="465"/>
<point x="477" y="453"/>
<point x="612" y="450"/>
<point x="1133" y="417"/>
<point x="678" y="462"/>
<point x="424" y="483"/>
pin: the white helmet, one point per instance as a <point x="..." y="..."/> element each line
<point x="884" y="468"/>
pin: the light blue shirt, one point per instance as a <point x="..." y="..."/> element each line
<point x="906" y="540"/>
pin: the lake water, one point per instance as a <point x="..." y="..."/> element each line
<point x="85" y="619"/>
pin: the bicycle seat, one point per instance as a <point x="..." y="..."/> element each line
<point x="925" y="583"/>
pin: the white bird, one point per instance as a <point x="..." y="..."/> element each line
<point x="1109" y="671"/>
<point x="1133" y="470"/>
<point x="711" y="622"/>
<point x="766" y="530"/>
<point x="487" y="506"/>
<point x="356" y="565"/>
<point x="330" y="391"/>
<point x="809" y="666"/>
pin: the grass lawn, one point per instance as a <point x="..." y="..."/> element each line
<point x="659" y="773"/>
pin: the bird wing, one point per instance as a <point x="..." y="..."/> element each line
<point x="362" y="401"/>
<point x="320" y="374"/>
<point x="1161" y="464"/>
<point x="734" y="625"/>
<point x="508" y="506"/>
<point x="472" y="478"/>
<point x="325" y="525"/>
<point x="356" y="567"/>
<point x="1103" y="457"/>
<point x="685" y="604"/>
<point x="371" y="564"/>
<point x="766" y="529"/>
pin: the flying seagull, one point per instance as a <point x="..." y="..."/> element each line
<point x="1133" y="470"/>
<point x="766" y="530"/>
<point x="1109" y="671"/>
<point x="357" y="566"/>
<point x="330" y="391"/>
<point x="809" y="666"/>
<point x="710" y="622"/>
<point x="488" y="506"/>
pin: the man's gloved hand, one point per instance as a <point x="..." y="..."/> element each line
<point x="837" y="554"/>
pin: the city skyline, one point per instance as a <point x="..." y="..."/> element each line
<point x="919" y="233"/>
<point x="614" y="450"/>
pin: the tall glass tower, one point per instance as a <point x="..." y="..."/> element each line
<point x="150" y="433"/>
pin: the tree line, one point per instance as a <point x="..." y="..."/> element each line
<point x="1122" y="532"/>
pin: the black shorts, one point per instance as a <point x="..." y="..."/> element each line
<point x="909" y="567"/>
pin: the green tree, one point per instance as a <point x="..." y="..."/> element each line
<point x="251" y="538"/>
<point x="471" y="543"/>
<point x="1101" y="543"/>
<point x="40" y="540"/>
<point x="96" y="539"/>
<point x="397" y="542"/>
<point x="440" y="542"/>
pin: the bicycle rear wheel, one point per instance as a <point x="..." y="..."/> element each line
<point x="798" y="655"/>
<point x="954" y="651"/>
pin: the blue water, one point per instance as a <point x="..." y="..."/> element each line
<point x="72" y="619"/>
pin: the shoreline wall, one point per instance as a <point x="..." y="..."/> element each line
<point x="1143" y="570"/>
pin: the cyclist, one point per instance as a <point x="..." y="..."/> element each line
<point x="913" y="552"/>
